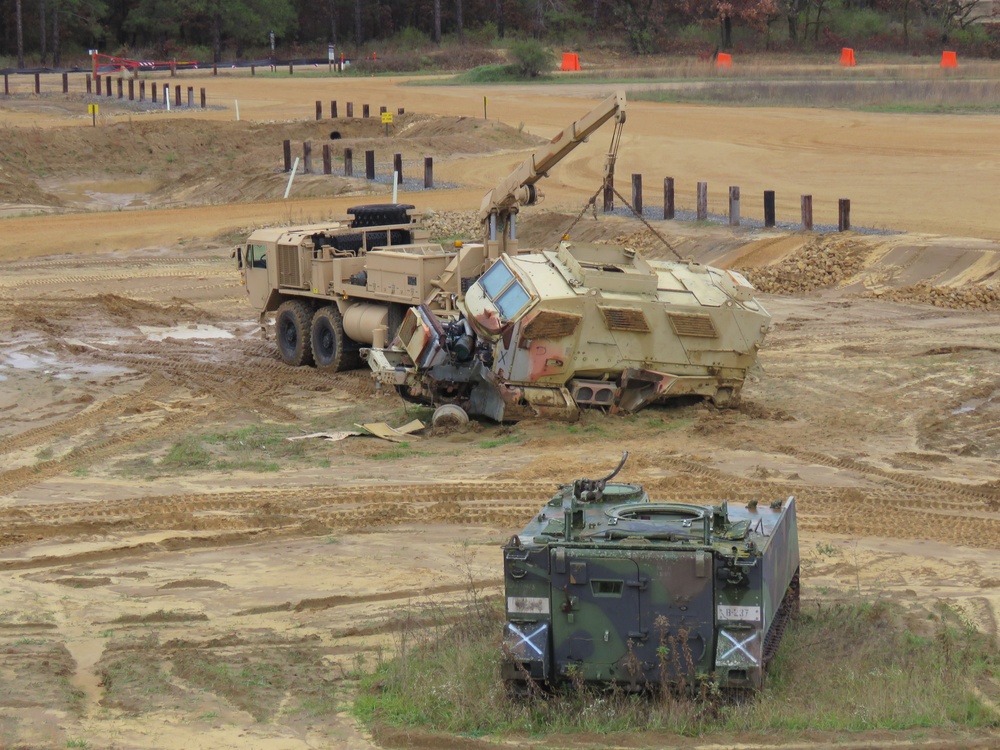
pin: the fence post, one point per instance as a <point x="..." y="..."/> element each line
<point x="333" y="110"/>
<point x="734" y="205"/>
<point x="609" y="194"/>
<point x="319" y="110"/>
<point x="350" y="109"/>
<point x="291" y="69"/>
<point x="191" y="96"/>
<point x="121" y="89"/>
<point x="142" y="91"/>
<point x="702" y="201"/>
<point x="38" y="83"/>
<point x="253" y="70"/>
<point x="6" y="85"/>
<point x="131" y="90"/>
<point x="327" y="159"/>
<point x="844" y="214"/>
<point x="154" y="92"/>
<point x="768" y="208"/>
<point x="807" y="212"/>
<point x="397" y="167"/>
<point x="348" y="162"/>
<point x="203" y="98"/>
<point x="173" y="68"/>
<point x="668" y="198"/>
<point x="177" y="95"/>
<point x="382" y="110"/>
<point x="637" y="193"/>
<point x="370" y="165"/>
<point x="90" y="84"/>
<point x="307" y="157"/>
<point x="428" y="172"/>
<point x="215" y="69"/>
<point x="65" y="77"/>
<point x="365" y="110"/>
<point x="287" y="149"/>
<point x="107" y="86"/>
<point x="400" y="111"/>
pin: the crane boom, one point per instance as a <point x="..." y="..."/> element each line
<point x="518" y="188"/>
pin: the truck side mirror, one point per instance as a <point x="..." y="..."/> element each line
<point x="238" y="253"/>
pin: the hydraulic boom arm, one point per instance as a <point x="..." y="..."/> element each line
<point x="518" y="188"/>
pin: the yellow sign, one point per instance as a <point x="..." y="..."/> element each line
<point x="387" y="118"/>
<point x="91" y="109"/>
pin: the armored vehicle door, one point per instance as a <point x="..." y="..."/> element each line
<point x="676" y="614"/>
<point x="595" y="611"/>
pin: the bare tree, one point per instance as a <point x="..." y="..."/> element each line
<point x="500" y="24"/>
<point x="43" y="34"/>
<point x="20" y="33"/>
<point x="458" y="21"/>
<point x="358" y="38"/>
<point x="436" y="38"/>
<point x="56" y="46"/>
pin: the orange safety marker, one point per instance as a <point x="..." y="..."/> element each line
<point x="724" y="60"/>
<point x="949" y="60"/>
<point x="847" y="57"/>
<point x="570" y="61"/>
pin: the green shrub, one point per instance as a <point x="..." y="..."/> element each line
<point x="531" y="59"/>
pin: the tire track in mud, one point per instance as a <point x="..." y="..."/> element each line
<point x="26" y="476"/>
<point x="115" y="406"/>
<point x="113" y="263"/>
<point x="76" y="280"/>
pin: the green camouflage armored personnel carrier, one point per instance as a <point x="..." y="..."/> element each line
<point x="611" y="587"/>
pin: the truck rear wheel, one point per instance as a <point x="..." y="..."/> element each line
<point x="292" y="325"/>
<point x="332" y="348"/>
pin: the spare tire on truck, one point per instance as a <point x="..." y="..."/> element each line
<point x="377" y="215"/>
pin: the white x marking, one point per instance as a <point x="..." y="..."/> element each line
<point x="527" y="639"/>
<point x="739" y="645"/>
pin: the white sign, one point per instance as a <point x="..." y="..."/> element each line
<point x="733" y="612"/>
<point x="528" y="605"/>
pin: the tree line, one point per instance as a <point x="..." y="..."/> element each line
<point x="45" y="30"/>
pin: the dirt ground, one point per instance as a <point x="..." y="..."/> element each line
<point x="175" y="574"/>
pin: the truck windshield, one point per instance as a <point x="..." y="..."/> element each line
<point x="504" y="291"/>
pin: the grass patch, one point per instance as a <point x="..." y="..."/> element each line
<point x="842" y="667"/>
<point x="399" y="450"/>
<point x="500" y="441"/>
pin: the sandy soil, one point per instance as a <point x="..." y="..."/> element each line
<point x="160" y="591"/>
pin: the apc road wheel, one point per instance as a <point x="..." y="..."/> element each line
<point x="449" y="416"/>
<point x="292" y="325"/>
<point x="333" y="349"/>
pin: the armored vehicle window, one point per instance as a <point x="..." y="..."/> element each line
<point x="496" y="279"/>
<point x="504" y="291"/>
<point x="606" y="588"/>
<point x="257" y="256"/>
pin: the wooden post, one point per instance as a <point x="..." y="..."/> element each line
<point x="807" y="212"/>
<point x="702" y="214"/>
<point x="215" y="69"/>
<point x="350" y="109"/>
<point x="348" y="163"/>
<point x="291" y="70"/>
<point x="107" y="86"/>
<point x="397" y="167"/>
<point x="121" y="89"/>
<point x="844" y="214"/>
<point x="609" y="194"/>
<point x="668" y="198"/>
<point x="142" y="91"/>
<point x="369" y="164"/>
<point x="428" y="172"/>
<point x="203" y="99"/>
<point x="400" y="111"/>
<point x="90" y="84"/>
<point x="382" y="110"/>
<point x="307" y="157"/>
<point x="287" y="147"/>
<point x="38" y="83"/>
<point x="173" y="69"/>
<point x="768" y="208"/>
<point x="131" y="90"/>
<point x="327" y="159"/>
<point x="333" y="110"/>
<point x="65" y="79"/>
<point x="734" y="205"/>
<point x="365" y="111"/>
<point x="6" y="86"/>
<point x="319" y="110"/>
<point x="637" y="193"/>
<point x="154" y="92"/>
<point x="253" y="70"/>
<point x="177" y="95"/>
<point x="191" y="96"/>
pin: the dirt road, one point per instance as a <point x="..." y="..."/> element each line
<point x="177" y="574"/>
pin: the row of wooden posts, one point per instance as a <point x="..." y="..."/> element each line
<point x="95" y="82"/>
<point x="844" y="212"/>
<point x="365" y="110"/>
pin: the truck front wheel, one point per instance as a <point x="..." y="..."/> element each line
<point x="292" y="325"/>
<point x="333" y="349"/>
